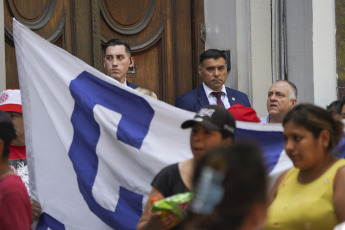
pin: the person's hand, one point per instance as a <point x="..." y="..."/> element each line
<point x="162" y="223"/>
<point x="36" y="210"/>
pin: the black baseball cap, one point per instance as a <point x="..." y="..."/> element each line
<point x="213" y="117"/>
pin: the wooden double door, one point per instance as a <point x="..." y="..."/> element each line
<point x="165" y="36"/>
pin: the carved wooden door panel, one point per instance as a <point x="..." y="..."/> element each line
<point x="164" y="36"/>
<point x="47" y="18"/>
<point x="160" y="34"/>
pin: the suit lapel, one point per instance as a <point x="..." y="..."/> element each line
<point x="202" y="99"/>
<point x="231" y="98"/>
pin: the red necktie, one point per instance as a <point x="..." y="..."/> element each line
<point x="218" y="95"/>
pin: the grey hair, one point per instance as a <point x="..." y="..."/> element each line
<point x="293" y="88"/>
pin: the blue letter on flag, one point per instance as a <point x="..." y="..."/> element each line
<point x="137" y="114"/>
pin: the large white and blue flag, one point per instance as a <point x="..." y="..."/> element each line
<point x="94" y="145"/>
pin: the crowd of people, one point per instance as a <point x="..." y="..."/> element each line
<point x="228" y="178"/>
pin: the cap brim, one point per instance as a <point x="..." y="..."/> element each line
<point x="201" y="121"/>
<point x="11" y="108"/>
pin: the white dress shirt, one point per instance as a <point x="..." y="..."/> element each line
<point x="213" y="100"/>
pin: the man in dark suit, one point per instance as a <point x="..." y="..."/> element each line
<point x="213" y="72"/>
<point x="117" y="59"/>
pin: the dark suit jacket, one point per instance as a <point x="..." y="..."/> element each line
<point x="196" y="99"/>
<point x="132" y="85"/>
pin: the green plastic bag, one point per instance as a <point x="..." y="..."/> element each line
<point x="175" y="205"/>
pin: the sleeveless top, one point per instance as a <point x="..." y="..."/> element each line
<point x="304" y="206"/>
<point x="169" y="182"/>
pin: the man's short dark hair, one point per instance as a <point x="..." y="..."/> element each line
<point x="7" y="133"/>
<point x="211" y="54"/>
<point x="117" y="42"/>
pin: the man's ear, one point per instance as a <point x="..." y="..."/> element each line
<point x="131" y="62"/>
<point x="293" y="102"/>
<point x="199" y="70"/>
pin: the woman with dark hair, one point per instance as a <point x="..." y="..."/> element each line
<point x="230" y="190"/>
<point x="211" y="127"/>
<point x="312" y="194"/>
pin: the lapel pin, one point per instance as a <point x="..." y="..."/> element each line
<point x="233" y="98"/>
